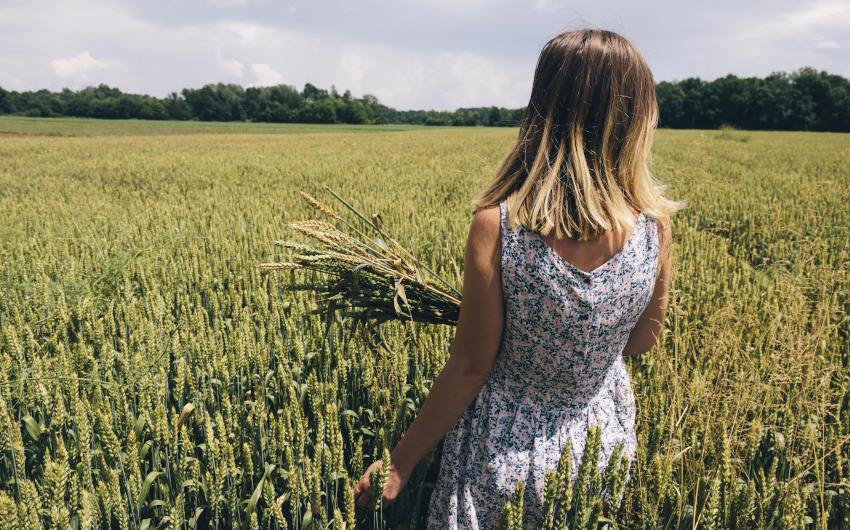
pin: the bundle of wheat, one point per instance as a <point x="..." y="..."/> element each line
<point x="370" y="279"/>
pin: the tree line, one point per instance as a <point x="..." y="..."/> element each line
<point x="805" y="100"/>
<point x="230" y="102"/>
<point x="214" y="102"/>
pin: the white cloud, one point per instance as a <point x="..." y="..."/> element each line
<point x="444" y="80"/>
<point x="477" y="79"/>
<point x="815" y="22"/>
<point x="229" y="66"/>
<point x="454" y="4"/>
<point x="13" y="83"/>
<point x="576" y="8"/>
<point x="758" y="43"/>
<point x="266" y="75"/>
<point x="228" y="3"/>
<point x="547" y="6"/>
<point x="77" y="68"/>
<point x="834" y="14"/>
<point x="828" y="44"/>
<point x="245" y="33"/>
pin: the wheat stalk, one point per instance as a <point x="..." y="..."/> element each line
<point x="376" y="279"/>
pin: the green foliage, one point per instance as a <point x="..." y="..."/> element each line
<point x="727" y="132"/>
<point x="214" y="102"/>
<point x="464" y="117"/>
<point x="128" y="289"/>
<point x="5" y="102"/>
<point x="805" y="100"/>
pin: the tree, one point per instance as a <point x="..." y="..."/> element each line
<point x="286" y="95"/>
<point x="216" y="102"/>
<point x="205" y="104"/>
<point x="279" y="104"/>
<point x="105" y="109"/>
<point x="6" y="106"/>
<point x="78" y="106"/>
<point x="311" y="93"/>
<point x="670" y="98"/>
<point x="494" y="117"/>
<point x="432" y="121"/>
<point x="353" y="112"/>
<point x="322" y="111"/>
<point x="152" y="110"/>
<point x="176" y="107"/>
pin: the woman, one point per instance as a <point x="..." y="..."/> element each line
<point x="566" y="270"/>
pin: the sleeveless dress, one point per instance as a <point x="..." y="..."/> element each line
<point x="559" y="370"/>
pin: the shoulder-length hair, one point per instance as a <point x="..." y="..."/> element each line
<point x="584" y="142"/>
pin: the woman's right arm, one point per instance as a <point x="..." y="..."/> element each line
<point x="651" y="322"/>
<point x="474" y="349"/>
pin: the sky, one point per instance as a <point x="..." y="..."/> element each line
<point x="416" y="54"/>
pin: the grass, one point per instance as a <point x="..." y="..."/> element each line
<point x="129" y="296"/>
<point x="728" y="132"/>
<point x="92" y="127"/>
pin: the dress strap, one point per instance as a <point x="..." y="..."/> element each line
<point x="653" y="240"/>
<point x="504" y="215"/>
<point x="506" y="229"/>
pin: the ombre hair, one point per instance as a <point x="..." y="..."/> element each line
<point x="584" y="142"/>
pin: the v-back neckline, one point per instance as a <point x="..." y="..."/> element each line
<point x="610" y="260"/>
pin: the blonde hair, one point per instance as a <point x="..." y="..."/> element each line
<point x="584" y="142"/>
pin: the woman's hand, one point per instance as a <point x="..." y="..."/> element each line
<point x="396" y="482"/>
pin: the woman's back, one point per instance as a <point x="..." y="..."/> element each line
<point x="573" y="323"/>
<point x="559" y="370"/>
<point x="591" y="254"/>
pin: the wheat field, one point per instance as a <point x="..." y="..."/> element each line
<point x="152" y="377"/>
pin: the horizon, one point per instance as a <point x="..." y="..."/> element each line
<point x="441" y="56"/>
<point x="358" y="96"/>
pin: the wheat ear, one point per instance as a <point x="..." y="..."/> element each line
<point x="327" y="210"/>
<point x="279" y="266"/>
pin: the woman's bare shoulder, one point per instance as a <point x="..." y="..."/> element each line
<point x="487" y="221"/>
<point x="485" y="238"/>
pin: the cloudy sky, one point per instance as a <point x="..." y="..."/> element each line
<point x="418" y="54"/>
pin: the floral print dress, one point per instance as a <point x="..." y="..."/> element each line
<point x="559" y="370"/>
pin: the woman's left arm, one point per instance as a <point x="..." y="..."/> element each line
<point x="479" y="332"/>
<point x="650" y="325"/>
